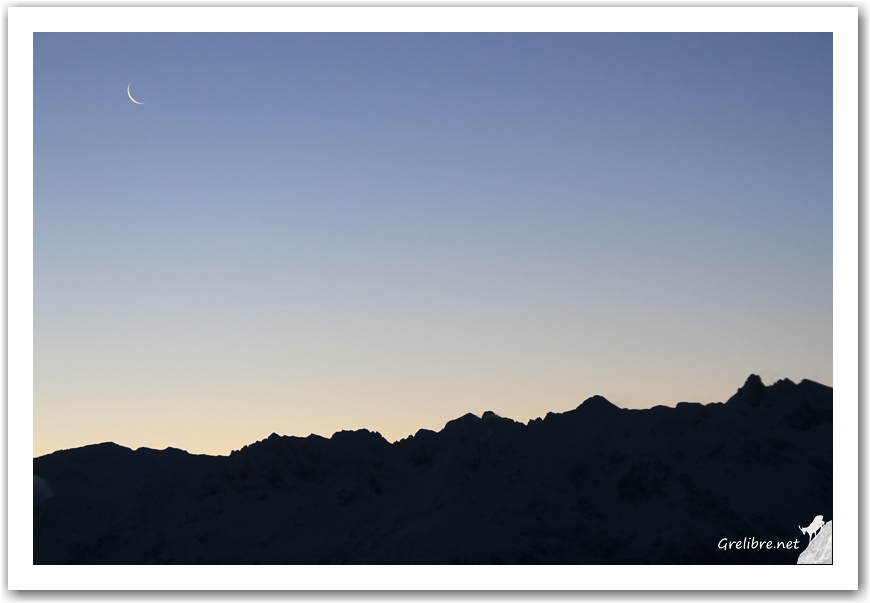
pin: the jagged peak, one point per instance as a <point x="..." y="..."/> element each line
<point x="597" y="403"/>
<point x="753" y="381"/>
<point x="755" y="393"/>
<point x="750" y="393"/>
<point x="464" y="419"/>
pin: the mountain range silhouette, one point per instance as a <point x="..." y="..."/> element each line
<point x="597" y="484"/>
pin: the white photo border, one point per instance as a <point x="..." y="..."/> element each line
<point x="22" y="22"/>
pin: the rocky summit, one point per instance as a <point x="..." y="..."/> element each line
<point x="597" y="484"/>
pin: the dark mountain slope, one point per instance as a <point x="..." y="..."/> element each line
<point x="597" y="484"/>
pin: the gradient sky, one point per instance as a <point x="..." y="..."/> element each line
<point x="304" y="233"/>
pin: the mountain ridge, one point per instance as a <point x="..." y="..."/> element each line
<point x="596" y="484"/>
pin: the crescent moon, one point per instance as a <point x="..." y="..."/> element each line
<point x="131" y="96"/>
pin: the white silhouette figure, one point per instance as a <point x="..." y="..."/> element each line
<point x="814" y="527"/>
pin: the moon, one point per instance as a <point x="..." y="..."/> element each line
<point x="131" y="96"/>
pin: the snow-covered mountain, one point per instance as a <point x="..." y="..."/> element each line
<point x="597" y="484"/>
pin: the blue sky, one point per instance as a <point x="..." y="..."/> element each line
<point x="312" y="232"/>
